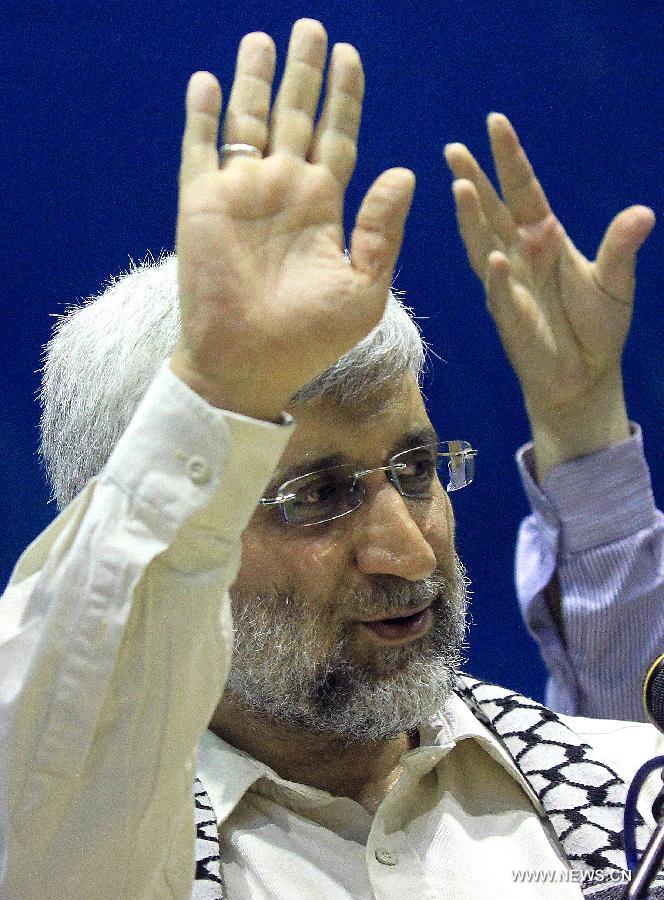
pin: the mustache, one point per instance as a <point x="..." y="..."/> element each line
<point x="390" y="594"/>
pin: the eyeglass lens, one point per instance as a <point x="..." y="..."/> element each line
<point x="323" y="495"/>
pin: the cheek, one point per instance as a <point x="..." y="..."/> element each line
<point x="289" y="559"/>
<point x="318" y="558"/>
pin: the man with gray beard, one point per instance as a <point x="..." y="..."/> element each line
<point x="253" y="578"/>
<point x="334" y="694"/>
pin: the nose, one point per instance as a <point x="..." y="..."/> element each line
<point x="388" y="540"/>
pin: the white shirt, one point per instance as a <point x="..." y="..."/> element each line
<point x="461" y="823"/>
<point x="115" y="641"/>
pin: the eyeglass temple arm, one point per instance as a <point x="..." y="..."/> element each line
<point x="388" y="468"/>
<point x="275" y="501"/>
<point x="470" y="451"/>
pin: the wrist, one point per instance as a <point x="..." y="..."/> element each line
<point x="246" y="399"/>
<point x="592" y="423"/>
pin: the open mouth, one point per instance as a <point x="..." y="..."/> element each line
<point x="400" y="628"/>
<point x="401" y="620"/>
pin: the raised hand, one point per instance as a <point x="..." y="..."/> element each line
<point x="268" y="299"/>
<point x="563" y="320"/>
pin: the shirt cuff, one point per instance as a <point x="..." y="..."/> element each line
<point x="593" y="500"/>
<point x="181" y="459"/>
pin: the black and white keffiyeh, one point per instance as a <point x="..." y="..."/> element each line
<point x="208" y="884"/>
<point x="583" y="798"/>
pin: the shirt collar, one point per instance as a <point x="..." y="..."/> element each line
<point x="457" y="723"/>
<point x="228" y="773"/>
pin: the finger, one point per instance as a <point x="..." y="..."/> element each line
<point x="248" y="108"/>
<point x="295" y="106"/>
<point x="464" y="166"/>
<point x="616" y="257"/>
<point x="378" y="232"/>
<point x="512" y="308"/>
<point x="521" y="190"/>
<point x="475" y="231"/>
<point x="335" y="140"/>
<point x="199" y="143"/>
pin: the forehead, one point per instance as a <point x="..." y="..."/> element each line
<point x="363" y="433"/>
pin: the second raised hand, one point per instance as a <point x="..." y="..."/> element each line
<point x="268" y="300"/>
<point x="563" y="319"/>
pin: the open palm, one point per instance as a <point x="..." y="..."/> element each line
<point x="268" y="298"/>
<point x="563" y="320"/>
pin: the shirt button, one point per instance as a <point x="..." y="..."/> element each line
<point x="198" y="470"/>
<point x="386" y="857"/>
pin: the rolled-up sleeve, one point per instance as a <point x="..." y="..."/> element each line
<point x="595" y="525"/>
<point x="115" y="644"/>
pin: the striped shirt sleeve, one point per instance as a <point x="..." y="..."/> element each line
<point x="594" y="527"/>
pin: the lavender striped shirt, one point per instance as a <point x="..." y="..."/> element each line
<point x="594" y="520"/>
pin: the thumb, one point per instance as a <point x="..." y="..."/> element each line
<point x="616" y="257"/>
<point x="378" y="232"/>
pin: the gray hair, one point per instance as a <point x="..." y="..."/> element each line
<point x="105" y="352"/>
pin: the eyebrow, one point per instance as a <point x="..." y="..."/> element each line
<point x="311" y="465"/>
<point x="416" y="437"/>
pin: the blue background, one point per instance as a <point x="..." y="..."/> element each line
<point x="93" y="112"/>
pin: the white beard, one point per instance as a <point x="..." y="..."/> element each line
<point x="278" y="672"/>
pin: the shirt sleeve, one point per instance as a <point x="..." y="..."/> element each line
<point x="115" y="644"/>
<point x="594" y="524"/>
